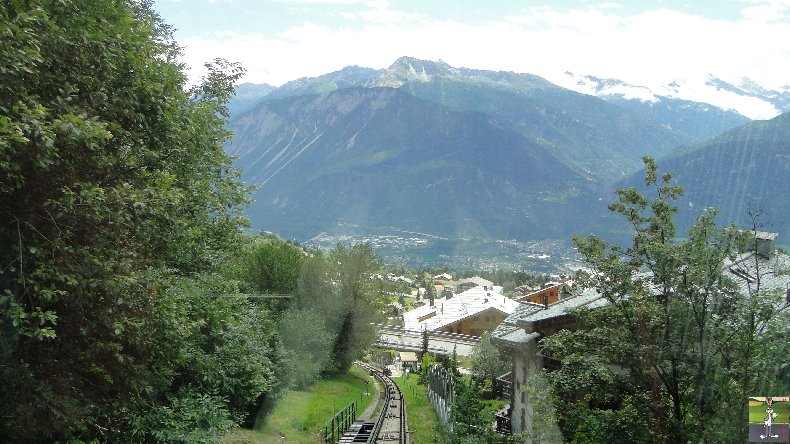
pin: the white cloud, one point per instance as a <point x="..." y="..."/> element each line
<point x="326" y="2"/>
<point x="769" y="12"/>
<point x="649" y="48"/>
<point x="379" y="11"/>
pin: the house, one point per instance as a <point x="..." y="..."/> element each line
<point x="518" y="335"/>
<point x="517" y="339"/>
<point x="400" y="279"/>
<point x="548" y="295"/>
<point x="443" y="277"/>
<point x="408" y="360"/>
<point x="472" y="312"/>
<point x="465" y="284"/>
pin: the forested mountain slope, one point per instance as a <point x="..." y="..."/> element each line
<point x="380" y="156"/>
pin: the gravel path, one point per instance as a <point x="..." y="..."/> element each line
<point x="373" y="403"/>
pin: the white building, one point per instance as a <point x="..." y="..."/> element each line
<point x="472" y="312"/>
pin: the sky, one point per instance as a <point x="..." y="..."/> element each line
<point x="641" y="42"/>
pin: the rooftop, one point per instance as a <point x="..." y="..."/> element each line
<point x="408" y="357"/>
<point x="509" y="332"/>
<point x="773" y="272"/>
<point x="765" y="235"/>
<point x="477" y="280"/>
<point x="461" y="306"/>
<point x="589" y="297"/>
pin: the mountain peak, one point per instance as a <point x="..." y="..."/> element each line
<point x="410" y="69"/>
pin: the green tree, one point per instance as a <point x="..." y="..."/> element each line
<point x="269" y="264"/>
<point x="265" y="266"/>
<point x="308" y="345"/>
<point x="672" y="348"/>
<point x="486" y="364"/>
<point x="430" y="292"/>
<point x="472" y="422"/>
<point x="314" y="286"/>
<point x="114" y="185"/>
<point x="425" y="342"/>
<point x="544" y="428"/>
<point x="358" y="302"/>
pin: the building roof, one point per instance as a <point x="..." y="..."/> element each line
<point x="509" y="332"/>
<point x="408" y="357"/>
<point x="477" y="280"/>
<point x="773" y="271"/>
<point x="517" y="329"/>
<point x="765" y="235"/>
<point x="527" y="293"/>
<point x="461" y="306"/>
<point x="588" y="297"/>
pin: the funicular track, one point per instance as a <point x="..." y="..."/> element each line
<point x="390" y="425"/>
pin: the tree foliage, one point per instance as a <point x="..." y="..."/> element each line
<point x="471" y="421"/>
<point x="331" y="322"/>
<point x="358" y="302"/>
<point x="486" y="363"/>
<point x="673" y="348"/>
<point x="430" y="292"/>
<point x="116" y="199"/>
<point x="270" y="264"/>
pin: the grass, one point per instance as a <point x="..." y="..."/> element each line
<point x="491" y="406"/>
<point x="300" y="414"/>
<point x="421" y="416"/>
<point x="757" y="413"/>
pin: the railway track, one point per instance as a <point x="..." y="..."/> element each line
<point x="389" y="426"/>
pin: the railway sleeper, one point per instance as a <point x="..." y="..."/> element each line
<point x="391" y="436"/>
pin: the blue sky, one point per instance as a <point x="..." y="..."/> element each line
<point x="644" y="42"/>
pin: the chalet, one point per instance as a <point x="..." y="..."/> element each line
<point x="472" y="312"/>
<point x="401" y="279"/>
<point x="517" y="339"/>
<point x="465" y="284"/>
<point x="551" y="293"/>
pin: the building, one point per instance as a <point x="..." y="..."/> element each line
<point x="408" y="360"/>
<point x="518" y="335"/>
<point x="466" y="284"/>
<point x="472" y="312"/>
<point x="517" y="339"/>
<point x="548" y="295"/>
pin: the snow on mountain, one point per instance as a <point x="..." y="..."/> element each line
<point x="748" y="99"/>
<point x="599" y="87"/>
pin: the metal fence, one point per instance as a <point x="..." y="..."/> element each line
<point x="441" y="391"/>
<point x="337" y="426"/>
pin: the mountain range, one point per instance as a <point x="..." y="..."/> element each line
<point x="463" y="153"/>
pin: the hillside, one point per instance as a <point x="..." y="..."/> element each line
<point x="745" y="168"/>
<point x="599" y="140"/>
<point x="367" y="157"/>
<point x="247" y="95"/>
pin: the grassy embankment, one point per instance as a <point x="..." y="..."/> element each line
<point x="300" y="414"/>
<point x="421" y="416"/>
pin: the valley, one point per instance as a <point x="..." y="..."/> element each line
<point x="422" y="251"/>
